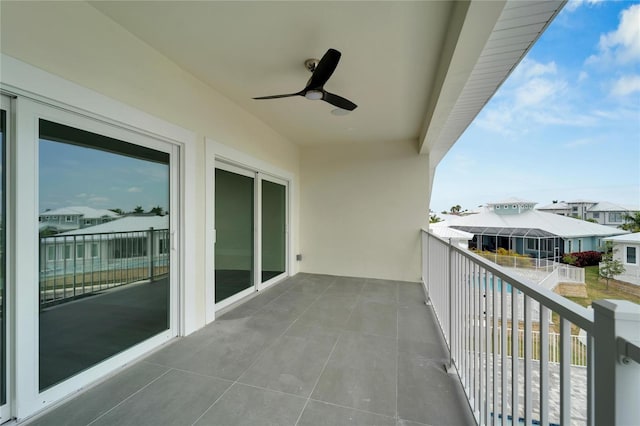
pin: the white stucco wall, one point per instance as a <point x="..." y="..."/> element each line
<point x="76" y="42"/>
<point x="631" y="270"/>
<point x="362" y="208"/>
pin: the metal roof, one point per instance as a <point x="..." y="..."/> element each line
<point x="506" y="232"/>
<point x="530" y="223"/>
<point x="628" y="238"/>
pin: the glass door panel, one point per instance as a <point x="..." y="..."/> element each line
<point x="234" y="224"/>
<point x="274" y="226"/>
<point x="103" y="232"/>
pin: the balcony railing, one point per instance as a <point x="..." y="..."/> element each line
<point x="486" y="314"/>
<point x="74" y="266"/>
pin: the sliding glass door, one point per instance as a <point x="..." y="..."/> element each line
<point x="104" y="278"/>
<point x="250" y="232"/>
<point x="234" y="218"/>
<point x="274" y="229"/>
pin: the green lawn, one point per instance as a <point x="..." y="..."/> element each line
<point x="597" y="289"/>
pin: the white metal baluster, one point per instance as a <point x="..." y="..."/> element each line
<point x="458" y="306"/>
<point x="515" y="337"/>
<point x="458" y="322"/>
<point x="494" y="336"/>
<point x="504" y="382"/>
<point x="467" y="337"/>
<point x="565" y="371"/>
<point x="527" y="360"/>
<point x="476" y="340"/>
<point x="481" y="331"/>
<point x="544" y="366"/>
<point x="590" y="381"/>
<point x="485" y="353"/>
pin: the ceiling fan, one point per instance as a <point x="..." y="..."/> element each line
<point x="314" y="90"/>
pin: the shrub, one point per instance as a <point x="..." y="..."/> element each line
<point x="583" y="258"/>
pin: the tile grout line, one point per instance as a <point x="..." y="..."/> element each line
<point x="130" y="396"/>
<point x="261" y="352"/>
<point x="335" y="344"/>
<point x="318" y="379"/>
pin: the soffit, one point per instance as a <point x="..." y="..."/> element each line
<point x="246" y="49"/>
<point x="417" y="70"/>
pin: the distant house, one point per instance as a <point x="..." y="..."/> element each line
<point x="626" y="249"/>
<point x="602" y="212"/>
<point x="514" y="224"/>
<point x="70" y="218"/>
<point x="610" y="214"/>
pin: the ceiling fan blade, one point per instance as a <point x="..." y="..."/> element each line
<point x="339" y="101"/>
<point x="324" y="69"/>
<point x="288" y="95"/>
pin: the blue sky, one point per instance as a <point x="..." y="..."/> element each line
<point x="566" y="123"/>
<point x="76" y="176"/>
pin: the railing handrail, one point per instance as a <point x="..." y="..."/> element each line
<point x="60" y="236"/>
<point x="579" y="315"/>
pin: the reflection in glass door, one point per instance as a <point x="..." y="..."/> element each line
<point x="274" y="225"/>
<point x="103" y="239"/>
<point x="234" y="223"/>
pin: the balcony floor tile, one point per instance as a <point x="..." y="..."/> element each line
<point x="249" y="406"/>
<point x="177" y="398"/>
<point x="312" y="350"/>
<point x="322" y="414"/>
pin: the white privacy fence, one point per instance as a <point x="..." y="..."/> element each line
<point x="538" y="270"/>
<point x="486" y="314"/>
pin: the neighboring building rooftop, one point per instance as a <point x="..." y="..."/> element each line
<point x="443" y="231"/>
<point x="555" y="206"/>
<point x="628" y="238"/>
<point x="511" y="200"/>
<point x="548" y="223"/>
<point x="125" y="224"/>
<point x="605" y="206"/>
<point x="84" y="211"/>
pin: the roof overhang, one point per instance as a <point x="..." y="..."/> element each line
<point x="476" y="61"/>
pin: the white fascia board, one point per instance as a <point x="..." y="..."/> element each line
<point x="470" y="27"/>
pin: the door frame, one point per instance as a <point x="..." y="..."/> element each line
<point x="30" y="86"/>
<point x="6" y="409"/>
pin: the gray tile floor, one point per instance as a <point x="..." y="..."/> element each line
<point x="313" y="350"/>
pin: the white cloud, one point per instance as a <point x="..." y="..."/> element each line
<point x="579" y="143"/>
<point x="98" y="200"/>
<point x="626" y="85"/>
<point x="622" y="45"/>
<point x="575" y="4"/>
<point x="82" y="195"/>
<point x="582" y="76"/>
<point x="134" y="189"/>
<point x="529" y="68"/>
<point x="537" y="91"/>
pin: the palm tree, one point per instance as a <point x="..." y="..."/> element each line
<point x="632" y="222"/>
<point x="456" y="209"/>
<point x="138" y="209"/>
<point x="434" y="219"/>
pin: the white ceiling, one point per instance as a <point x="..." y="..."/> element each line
<point x="392" y="58"/>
